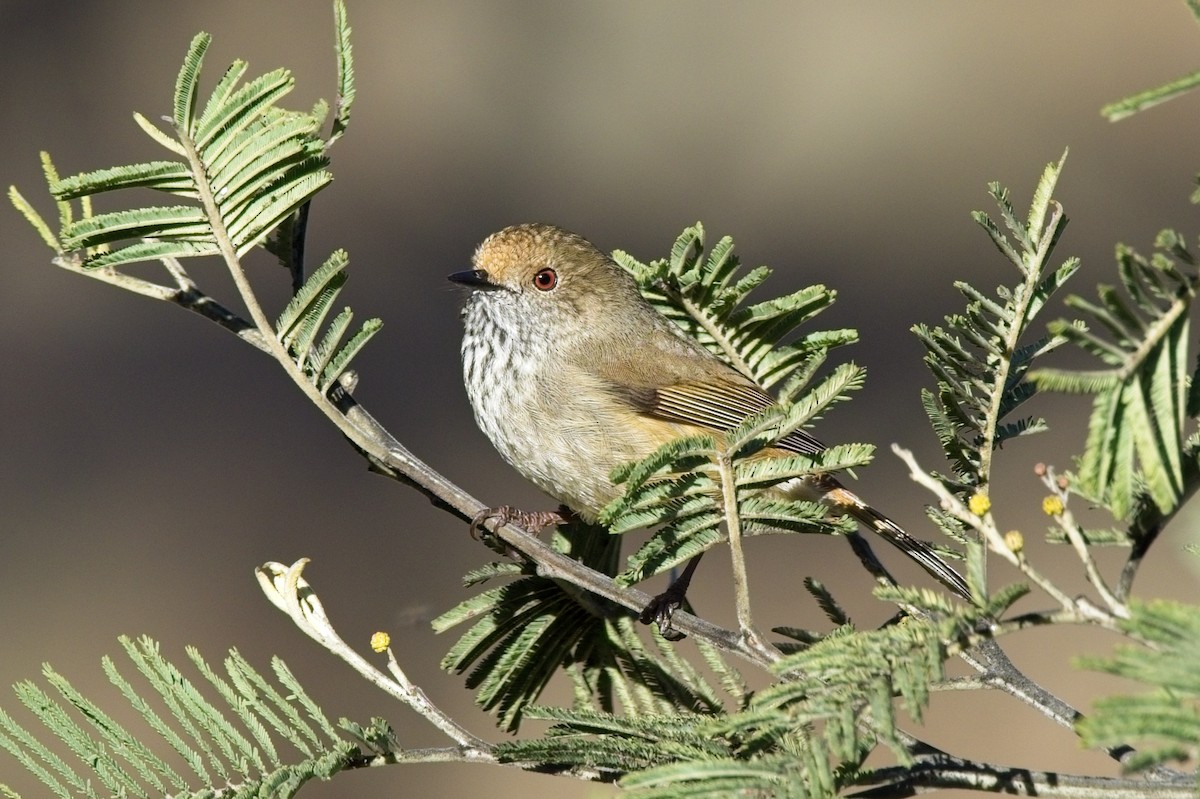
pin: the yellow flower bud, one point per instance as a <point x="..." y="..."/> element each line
<point x="979" y="503"/>
<point x="381" y="641"/>
<point x="1014" y="541"/>
<point x="1053" y="506"/>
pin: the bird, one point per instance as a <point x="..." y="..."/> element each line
<point x="571" y="372"/>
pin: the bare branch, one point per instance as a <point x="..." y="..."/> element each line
<point x="941" y="771"/>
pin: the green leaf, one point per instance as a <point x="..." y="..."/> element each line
<point x="175" y="221"/>
<point x="829" y="606"/>
<point x="804" y="735"/>
<point x="1041" y="201"/>
<point x="767" y="472"/>
<point x="704" y="296"/>
<point x="168" y="176"/>
<point x="980" y="359"/>
<point x="297" y="325"/>
<point x="525" y="631"/>
<point x="262" y="156"/>
<point x="117" y="739"/>
<point x="185" y="84"/>
<point x="222" y="122"/>
<point x="261" y="163"/>
<point x="341" y="360"/>
<point x="1135" y="433"/>
<point x="345" y="71"/>
<point x="264" y="213"/>
<point x="65" y="213"/>
<point x="1149" y="98"/>
<point x="1165" y="720"/>
<point x="108" y="757"/>
<point x="155" y="133"/>
<point x="224" y="89"/>
<point x="674" y="487"/>
<point x="33" y="218"/>
<point x="150" y="251"/>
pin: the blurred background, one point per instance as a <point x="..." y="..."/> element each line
<point x="151" y="461"/>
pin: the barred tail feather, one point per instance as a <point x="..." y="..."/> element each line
<point x="918" y="550"/>
<point x="894" y="534"/>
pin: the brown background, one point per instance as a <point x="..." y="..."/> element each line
<point x="151" y="461"/>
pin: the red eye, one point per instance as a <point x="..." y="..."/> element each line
<point x="545" y="279"/>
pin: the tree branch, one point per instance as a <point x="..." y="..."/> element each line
<point x="941" y="771"/>
<point x="184" y="293"/>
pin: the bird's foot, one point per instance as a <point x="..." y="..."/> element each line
<point x="505" y="514"/>
<point x="488" y="519"/>
<point x="662" y="609"/>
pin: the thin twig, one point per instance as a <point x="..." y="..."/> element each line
<point x="961" y="684"/>
<point x="287" y="589"/>
<point x="391" y="458"/>
<point x="185" y="294"/>
<point x="228" y="251"/>
<point x="986" y="656"/>
<point x="1065" y="519"/>
<point x="995" y="541"/>
<point x="455" y="754"/>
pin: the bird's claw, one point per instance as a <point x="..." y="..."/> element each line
<point x="533" y="521"/>
<point x="661" y="611"/>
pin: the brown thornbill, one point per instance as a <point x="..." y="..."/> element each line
<point x="571" y="373"/>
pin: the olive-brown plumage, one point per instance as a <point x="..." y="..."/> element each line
<point x="571" y="372"/>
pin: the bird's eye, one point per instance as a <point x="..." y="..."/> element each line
<point x="545" y="279"/>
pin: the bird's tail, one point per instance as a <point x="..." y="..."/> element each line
<point x="894" y="534"/>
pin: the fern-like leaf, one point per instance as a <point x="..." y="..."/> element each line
<point x="189" y="76"/>
<point x="1167" y="717"/>
<point x="345" y="72"/>
<point x="301" y="320"/>
<point x="807" y="734"/>
<point x="618" y="744"/>
<point x="34" y="218"/>
<point x="213" y="748"/>
<point x="524" y="632"/>
<point x="1136" y="430"/>
<point x="676" y="487"/>
<point x="168" y="176"/>
<point x="704" y="295"/>
<point x="258" y="161"/>
<point x="978" y="359"/>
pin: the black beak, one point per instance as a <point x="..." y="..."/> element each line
<point x="475" y="278"/>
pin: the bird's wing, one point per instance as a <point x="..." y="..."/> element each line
<point x="718" y="402"/>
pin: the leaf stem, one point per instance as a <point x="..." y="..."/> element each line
<point x="733" y="357"/>
<point x="741" y="580"/>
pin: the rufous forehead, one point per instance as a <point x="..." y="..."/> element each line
<point x="508" y="248"/>
<point x="517" y="247"/>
